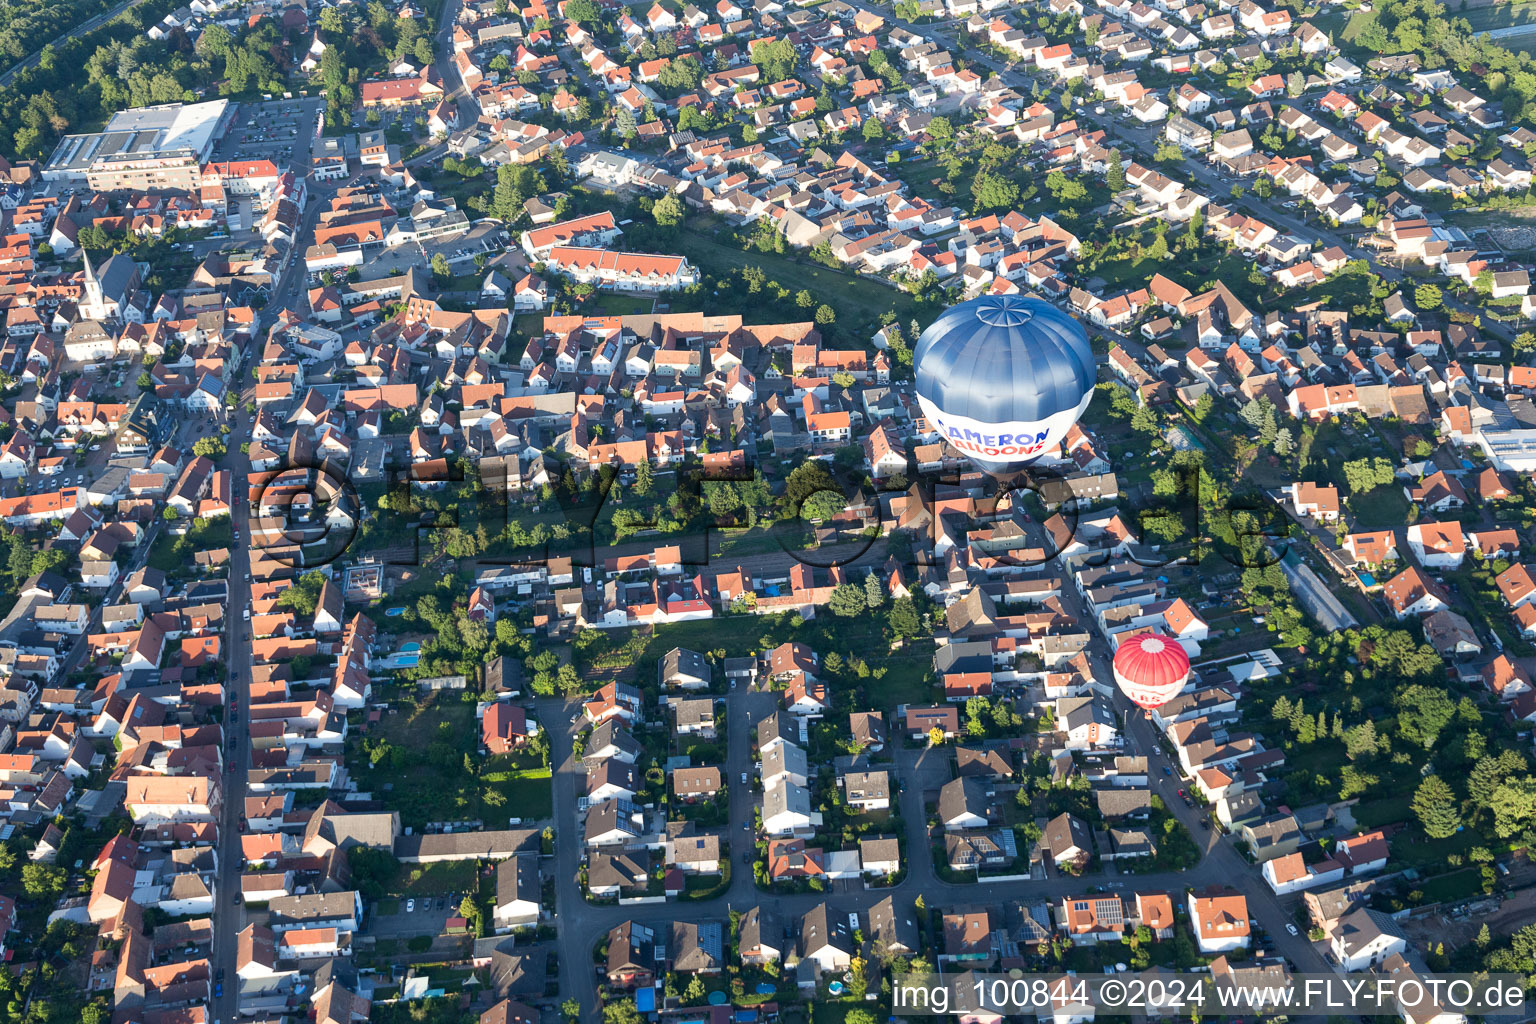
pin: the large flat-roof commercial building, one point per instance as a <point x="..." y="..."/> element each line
<point x="145" y="148"/>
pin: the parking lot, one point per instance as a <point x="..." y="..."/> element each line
<point x="278" y="130"/>
<point x="429" y="917"/>
<point x="404" y="117"/>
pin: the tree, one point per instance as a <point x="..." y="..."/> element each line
<point x="1360" y="741"/>
<point x="1435" y="806"/>
<point x="209" y="447"/>
<point x="695" y="992"/>
<point x="1423" y="712"/>
<point x="993" y="192"/>
<point x="1525" y="343"/>
<point x="935" y="739"/>
<point x="1065" y="189"/>
<point x="858" y="1015"/>
<point x="775" y="59"/>
<point x="874" y="592"/>
<point x="805" y="480"/>
<point x="621" y="1011"/>
<point x="1114" y="174"/>
<point x="1364" y="475"/>
<point x="506" y="200"/>
<point x="1427" y="296"/>
<point x="441" y="269"/>
<point x="847" y="600"/>
<point x="873" y="130"/>
<point x="42" y="881"/>
<point x="1489" y="773"/>
<point x="903" y="618"/>
<point x="303" y="597"/>
<point x="668" y="210"/>
<point x="645" y="478"/>
<point x="823" y="505"/>
<point x="1514" y="806"/>
<point x="584" y="11"/>
<point x="825" y="314"/>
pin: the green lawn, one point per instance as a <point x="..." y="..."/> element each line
<point x="1348" y="292"/>
<point x="422" y="771"/>
<point x="612" y="304"/>
<point x="707" y="887"/>
<point x="832" y="1011"/>
<point x="173" y="555"/>
<point x="528" y="797"/>
<point x="1381" y="508"/>
<point x="859" y="300"/>
<point x="1128" y="270"/>
<point x="861" y="637"/>
<point x="909" y="676"/>
<point x="435" y="879"/>
<point x="1384" y="810"/>
<point x="1454" y="886"/>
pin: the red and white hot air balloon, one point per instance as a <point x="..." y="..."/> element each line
<point x="1151" y="669"/>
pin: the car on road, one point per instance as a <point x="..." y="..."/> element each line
<point x="743" y="778"/>
<point x="218" y="975"/>
<point x="1292" y="929"/>
<point x="218" y="990"/>
<point x="1167" y="771"/>
<point x="410" y="906"/>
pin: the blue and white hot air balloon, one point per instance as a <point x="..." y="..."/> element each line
<point x="1003" y="378"/>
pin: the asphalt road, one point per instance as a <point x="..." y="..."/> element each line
<point x="229" y="917"/>
<point x="583" y="925"/>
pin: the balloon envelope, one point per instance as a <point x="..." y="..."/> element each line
<point x="1151" y="669"/>
<point x="1003" y="378"/>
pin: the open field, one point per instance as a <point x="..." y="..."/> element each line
<point x="859" y="301"/>
<point x="419" y="757"/>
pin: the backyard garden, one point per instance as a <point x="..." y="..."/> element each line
<point x="423" y="757"/>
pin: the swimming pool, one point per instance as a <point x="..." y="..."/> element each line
<point x="409" y="646"/>
<point x="398" y="609"/>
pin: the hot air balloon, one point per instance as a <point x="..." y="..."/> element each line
<point x="1003" y="378"/>
<point x="1151" y="669"/>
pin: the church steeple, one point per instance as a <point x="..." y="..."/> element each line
<point x="93" y="296"/>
